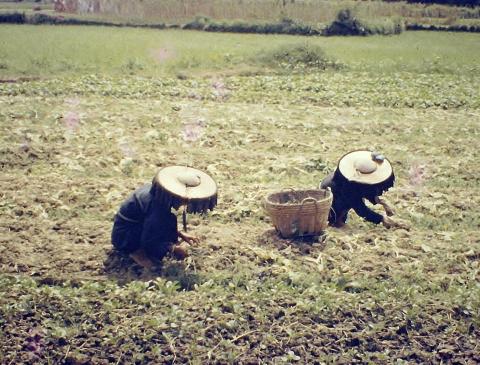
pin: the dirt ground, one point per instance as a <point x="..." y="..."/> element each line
<point x="371" y="293"/>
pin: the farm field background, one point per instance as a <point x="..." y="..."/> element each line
<point x="87" y="114"/>
<point x="313" y="12"/>
<point x="67" y="51"/>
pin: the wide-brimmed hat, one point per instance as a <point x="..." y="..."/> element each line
<point x="365" y="167"/>
<point x="182" y="185"/>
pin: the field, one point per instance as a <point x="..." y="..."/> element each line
<point x="147" y="53"/>
<point x="310" y="11"/>
<point x="89" y="114"/>
<point x="316" y="13"/>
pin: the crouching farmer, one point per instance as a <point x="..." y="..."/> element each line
<point x="361" y="175"/>
<point x="145" y="227"/>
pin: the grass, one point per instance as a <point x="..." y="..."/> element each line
<point x="74" y="143"/>
<point x="51" y="50"/>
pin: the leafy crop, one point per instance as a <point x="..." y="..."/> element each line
<point x="298" y="57"/>
<point x="73" y="146"/>
<point x="331" y="89"/>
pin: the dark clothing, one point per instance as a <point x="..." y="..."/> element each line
<point x="350" y="195"/>
<point x="142" y="222"/>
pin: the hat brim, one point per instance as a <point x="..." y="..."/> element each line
<point x="168" y="179"/>
<point x="346" y="166"/>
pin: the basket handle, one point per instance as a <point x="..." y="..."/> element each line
<point x="309" y="199"/>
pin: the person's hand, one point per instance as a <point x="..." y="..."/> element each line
<point x="388" y="222"/>
<point x="388" y="210"/>
<point x="189" y="238"/>
<point x="386" y="206"/>
<point x="394" y="223"/>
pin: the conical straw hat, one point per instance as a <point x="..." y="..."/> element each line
<point x="365" y="167"/>
<point x="178" y="185"/>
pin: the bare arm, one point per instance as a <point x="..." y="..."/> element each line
<point x="366" y="213"/>
<point x="188" y="238"/>
<point x="394" y="223"/>
<point x="386" y="205"/>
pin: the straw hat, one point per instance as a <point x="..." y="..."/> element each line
<point x="365" y="167"/>
<point x="179" y="185"/>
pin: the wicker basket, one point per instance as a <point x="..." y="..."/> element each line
<point x="299" y="213"/>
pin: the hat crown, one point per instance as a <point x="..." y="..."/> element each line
<point x="189" y="179"/>
<point x="365" y="166"/>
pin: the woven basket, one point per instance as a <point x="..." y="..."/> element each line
<point x="299" y="213"/>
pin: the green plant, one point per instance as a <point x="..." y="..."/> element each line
<point x="199" y="23"/>
<point x="15" y="18"/>
<point x="133" y="66"/>
<point x="298" y="56"/>
<point x="346" y="23"/>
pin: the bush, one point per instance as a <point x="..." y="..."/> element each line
<point x="347" y="24"/>
<point x="40" y="18"/>
<point x="445" y="28"/>
<point x="43" y="19"/>
<point x="199" y="23"/>
<point x="384" y="27"/>
<point x="15" y="18"/>
<point x="298" y="56"/>
<point x="284" y="26"/>
<point x="471" y="3"/>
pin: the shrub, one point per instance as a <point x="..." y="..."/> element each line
<point x="445" y="28"/>
<point x="43" y="19"/>
<point x="284" y="26"/>
<point x="384" y="27"/>
<point x="347" y="24"/>
<point x="199" y="23"/>
<point x="298" y="56"/>
<point x="471" y="3"/>
<point x="40" y="18"/>
<point x="15" y="18"/>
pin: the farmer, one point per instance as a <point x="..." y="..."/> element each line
<point x="146" y="229"/>
<point x="361" y="175"/>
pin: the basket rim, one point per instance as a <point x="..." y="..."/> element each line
<point x="329" y="196"/>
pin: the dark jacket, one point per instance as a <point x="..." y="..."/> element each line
<point x="350" y="195"/>
<point x="142" y="222"/>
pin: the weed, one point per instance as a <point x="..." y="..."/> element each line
<point x="133" y="66"/>
<point x="298" y="57"/>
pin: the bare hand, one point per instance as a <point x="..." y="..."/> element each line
<point x="394" y="223"/>
<point x="386" y="206"/>
<point x="189" y="238"/>
<point x="389" y="210"/>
